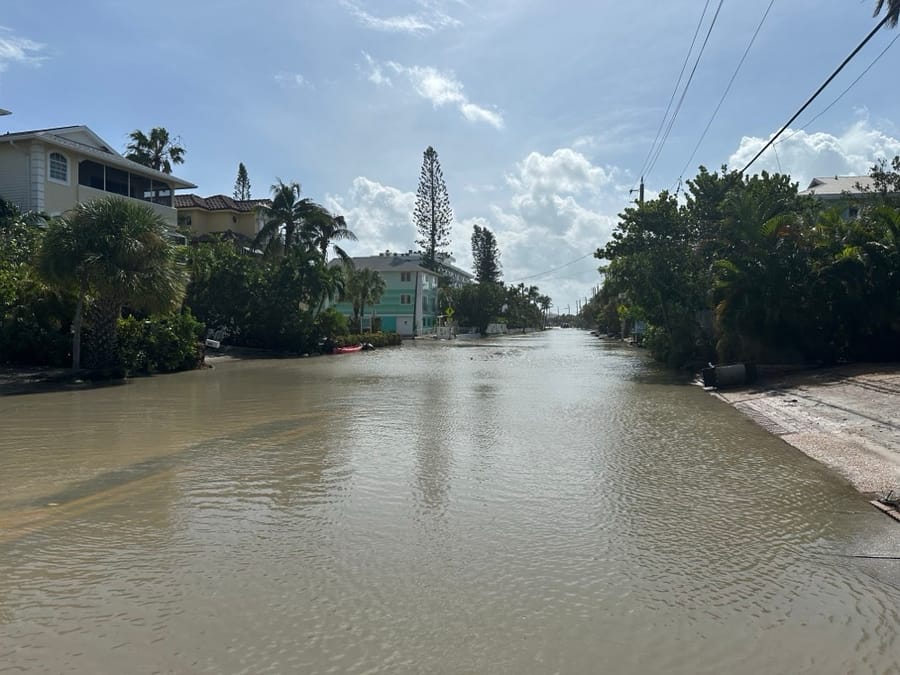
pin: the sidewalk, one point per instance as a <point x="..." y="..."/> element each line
<point x="847" y="418"/>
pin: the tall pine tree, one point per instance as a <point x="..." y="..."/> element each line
<point x="486" y="255"/>
<point x="242" y="184"/>
<point x="432" y="213"/>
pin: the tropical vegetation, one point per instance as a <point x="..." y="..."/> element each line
<point x="157" y="149"/>
<point x="747" y="269"/>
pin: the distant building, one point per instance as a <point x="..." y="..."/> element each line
<point x="52" y="170"/>
<point x="409" y="305"/>
<point x="220" y="214"/>
<point x="840" y="188"/>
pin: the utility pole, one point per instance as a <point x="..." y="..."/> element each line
<point x="640" y="192"/>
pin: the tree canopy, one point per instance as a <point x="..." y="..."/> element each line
<point x="242" y="183"/>
<point x="432" y="213"/>
<point x="156" y="150"/>
<point x="485" y="254"/>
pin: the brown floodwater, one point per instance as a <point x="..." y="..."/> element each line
<point x="533" y="504"/>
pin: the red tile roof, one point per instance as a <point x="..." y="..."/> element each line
<point x="219" y="203"/>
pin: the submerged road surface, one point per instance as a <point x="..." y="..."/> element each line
<point x="531" y="504"/>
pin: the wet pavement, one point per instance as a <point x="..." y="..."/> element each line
<point x="847" y="418"/>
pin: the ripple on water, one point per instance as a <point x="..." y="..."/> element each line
<point x="540" y="504"/>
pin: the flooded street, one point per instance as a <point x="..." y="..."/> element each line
<point x="533" y="504"/>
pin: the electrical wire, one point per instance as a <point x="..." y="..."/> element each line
<point x="839" y="96"/>
<point x="555" y="269"/>
<point x="818" y="91"/>
<point x="687" y="58"/>
<point x="727" y="89"/>
<point x="685" y="90"/>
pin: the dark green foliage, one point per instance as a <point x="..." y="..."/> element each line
<point x="157" y="150"/>
<point x="227" y="288"/>
<point x="477" y="305"/>
<point x="242" y="183"/>
<point x="486" y="255"/>
<point x="746" y="270"/>
<point x="302" y="223"/>
<point x="160" y="344"/>
<point x="893" y="10"/>
<point x="34" y="320"/>
<point x="331" y="323"/>
<point x="113" y="251"/>
<point x="266" y="303"/>
<point x="364" y="287"/>
<point x="432" y="214"/>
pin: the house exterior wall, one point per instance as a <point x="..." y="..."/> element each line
<point x="208" y="222"/>
<point x="15" y="175"/>
<point x="416" y="317"/>
<point x="60" y="196"/>
<point x="25" y="181"/>
<point x="86" y="194"/>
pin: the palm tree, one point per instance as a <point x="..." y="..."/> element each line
<point x="157" y="150"/>
<point x="293" y="221"/>
<point x="326" y="228"/>
<point x="331" y="284"/>
<point x="363" y="287"/>
<point x="115" y="251"/>
<point x="893" y="10"/>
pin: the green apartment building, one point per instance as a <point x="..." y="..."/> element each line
<point x="409" y="305"/>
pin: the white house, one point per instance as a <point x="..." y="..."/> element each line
<point x="52" y="170"/>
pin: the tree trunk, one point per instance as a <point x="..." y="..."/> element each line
<point x="76" y="324"/>
<point x="103" y="353"/>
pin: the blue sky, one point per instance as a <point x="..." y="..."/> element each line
<point x="542" y="113"/>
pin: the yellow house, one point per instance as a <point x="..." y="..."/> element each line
<point x="218" y="214"/>
<point x="52" y="170"/>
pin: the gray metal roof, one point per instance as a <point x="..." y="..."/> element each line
<point x="389" y="263"/>
<point x="835" y="186"/>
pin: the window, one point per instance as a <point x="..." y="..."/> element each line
<point x="405" y="299"/>
<point x="405" y="276"/>
<point x="59" y="167"/>
<point x="117" y="181"/>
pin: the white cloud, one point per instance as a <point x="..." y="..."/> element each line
<point x="552" y="210"/>
<point x="438" y="87"/>
<point x="292" y="80"/>
<point x="560" y="208"/>
<point x="19" y="50"/>
<point x="379" y="215"/>
<point x="540" y="177"/>
<point x="430" y="20"/>
<point x="375" y="73"/>
<point x="807" y="155"/>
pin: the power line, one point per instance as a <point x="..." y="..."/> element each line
<point x="727" y="89"/>
<point x="685" y="90"/>
<point x="841" y="95"/>
<point x="818" y="91"/>
<point x="687" y="57"/>
<point x="555" y="269"/>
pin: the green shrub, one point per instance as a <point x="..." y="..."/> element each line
<point x="160" y="344"/>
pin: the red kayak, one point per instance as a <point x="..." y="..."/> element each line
<point x="347" y="350"/>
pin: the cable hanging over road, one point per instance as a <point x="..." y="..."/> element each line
<point x="725" y="93"/>
<point x="687" y="58"/>
<point x="817" y="92"/>
<point x="685" y="90"/>
<point x="839" y="96"/>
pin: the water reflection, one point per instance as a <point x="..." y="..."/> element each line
<point x="526" y="504"/>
